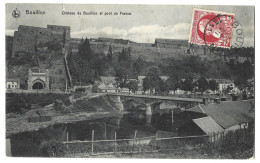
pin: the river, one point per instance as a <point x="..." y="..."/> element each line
<point x="33" y="144"/>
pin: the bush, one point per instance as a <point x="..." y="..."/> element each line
<point x="15" y="102"/>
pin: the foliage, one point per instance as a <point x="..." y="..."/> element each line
<point x="121" y="76"/>
<point x="124" y="57"/>
<point x="243" y="72"/>
<point x="202" y="84"/>
<point x="188" y="84"/>
<point x="15" y="102"/>
<point x="153" y="81"/>
<point x="22" y="60"/>
<point x="172" y="84"/>
<point x="132" y="85"/>
<point x="213" y="85"/>
<point x="83" y="67"/>
<point x="84" y="50"/>
<point x="110" y="53"/>
<point x="123" y="70"/>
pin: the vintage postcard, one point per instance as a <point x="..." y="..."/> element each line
<point x="130" y="81"/>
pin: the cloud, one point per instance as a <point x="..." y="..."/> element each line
<point x="103" y="32"/>
<point x="143" y="33"/>
<point x="248" y="33"/>
<point x="147" y="33"/>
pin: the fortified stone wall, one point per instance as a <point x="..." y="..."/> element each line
<point x="27" y="38"/>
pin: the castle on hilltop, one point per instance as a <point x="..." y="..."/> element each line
<point x="35" y="40"/>
<point x="28" y="37"/>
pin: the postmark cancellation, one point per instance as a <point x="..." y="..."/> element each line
<point x="211" y="28"/>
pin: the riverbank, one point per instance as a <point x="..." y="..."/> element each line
<point x="85" y="109"/>
<point x="20" y="122"/>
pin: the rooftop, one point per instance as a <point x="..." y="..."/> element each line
<point x="107" y="80"/>
<point x="228" y="113"/>
<point x="208" y="125"/>
<point x="12" y="80"/>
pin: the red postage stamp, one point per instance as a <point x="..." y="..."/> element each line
<point x="211" y="28"/>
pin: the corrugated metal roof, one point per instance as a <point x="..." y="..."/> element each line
<point x="228" y="113"/>
<point x="208" y="125"/>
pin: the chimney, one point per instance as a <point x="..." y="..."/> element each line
<point x="205" y="101"/>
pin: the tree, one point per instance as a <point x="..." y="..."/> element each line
<point x="146" y="84"/>
<point x="179" y="85"/>
<point x="188" y="84"/>
<point x="152" y="81"/>
<point x="132" y="85"/>
<point x="84" y="50"/>
<point x="110" y="53"/>
<point x="171" y="84"/>
<point x="162" y="87"/>
<point x="202" y="84"/>
<point x="84" y="68"/>
<point x="121" y="76"/>
<point x="229" y="88"/>
<point x="213" y="85"/>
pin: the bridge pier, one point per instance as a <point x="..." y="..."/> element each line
<point x="117" y="102"/>
<point x="148" y="119"/>
<point x="148" y="110"/>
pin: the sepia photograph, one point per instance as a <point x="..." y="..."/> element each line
<point x="129" y="81"/>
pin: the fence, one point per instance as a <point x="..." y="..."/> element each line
<point x="155" y="144"/>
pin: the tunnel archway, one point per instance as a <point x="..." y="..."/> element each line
<point x="38" y="85"/>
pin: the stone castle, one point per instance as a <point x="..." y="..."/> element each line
<point x="28" y="40"/>
<point x="31" y="40"/>
<point x="28" y="37"/>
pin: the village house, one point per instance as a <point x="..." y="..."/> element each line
<point x="217" y="118"/>
<point x="223" y="84"/>
<point x="108" y="85"/>
<point x="12" y="83"/>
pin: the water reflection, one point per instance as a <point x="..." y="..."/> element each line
<point x="35" y="143"/>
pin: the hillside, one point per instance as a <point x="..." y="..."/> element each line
<point x="44" y="59"/>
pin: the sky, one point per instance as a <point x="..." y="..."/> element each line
<point x="145" y="23"/>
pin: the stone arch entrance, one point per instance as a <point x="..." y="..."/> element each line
<point x="38" y="80"/>
<point x="38" y="85"/>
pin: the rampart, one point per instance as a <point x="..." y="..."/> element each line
<point x="28" y="38"/>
